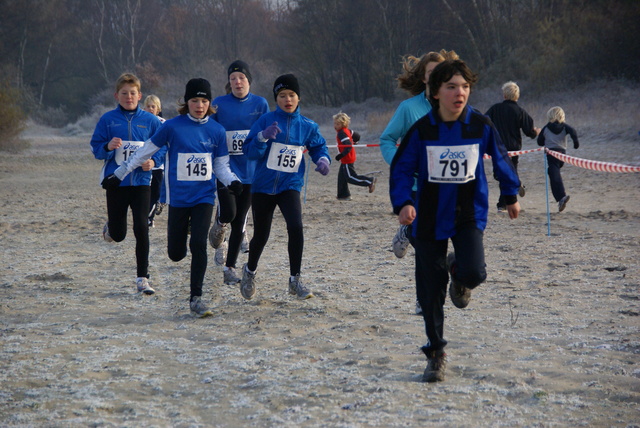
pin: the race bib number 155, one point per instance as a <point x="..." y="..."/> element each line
<point x="284" y="158"/>
<point x="126" y="150"/>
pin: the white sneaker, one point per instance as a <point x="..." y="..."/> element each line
<point x="244" y="246"/>
<point x="105" y="233"/>
<point x="216" y="234"/>
<point x="230" y="277"/>
<point x="401" y="242"/>
<point x="221" y="254"/>
<point x="143" y="286"/>
<point x="297" y="288"/>
<point x="248" y="283"/>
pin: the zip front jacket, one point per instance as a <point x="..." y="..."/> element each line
<point x="452" y="184"/>
<point x="131" y="126"/>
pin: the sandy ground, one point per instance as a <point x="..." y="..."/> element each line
<point x="551" y="339"/>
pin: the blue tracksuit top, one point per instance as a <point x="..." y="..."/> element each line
<point x="279" y="165"/>
<point x="137" y="125"/>
<point x="236" y="116"/>
<point x="451" y="192"/>
<point x="190" y="146"/>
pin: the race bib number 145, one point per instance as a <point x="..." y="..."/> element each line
<point x="194" y="166"/>
<point x="452" y="164"/>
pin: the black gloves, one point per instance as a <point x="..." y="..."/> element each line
<point x="111" y="182"/>
<point x="355" y="137"/>
<point x="339" y="156"/>
<point x="576" y="144"/>
<point x="235" y="187"/>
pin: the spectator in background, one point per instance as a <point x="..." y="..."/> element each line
<point x="554" y="136"/>
<point x="509" y="119"/>
<point x="346" y="138"/>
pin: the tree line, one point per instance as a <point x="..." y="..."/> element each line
<point x="61" y="54"/>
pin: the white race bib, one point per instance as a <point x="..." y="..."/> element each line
<point x="126" y="150"/>
<point x="284" y="158"/>
<point x="194" y="166"/>
<point x="452" y="164"/>
<point x="235" y="140"/>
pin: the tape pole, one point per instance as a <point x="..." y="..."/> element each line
<point x="546" y="188"/>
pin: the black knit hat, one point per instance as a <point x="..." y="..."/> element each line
<point x="197" y="88"/>
<point x="286" y="81"/>
<point x="240" y="66"/>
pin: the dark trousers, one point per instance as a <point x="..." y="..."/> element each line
<point x="234" y="209"/>
<point x="555" y="178"/>
<point x="263" y="207"/>
<point x="154" y="196"/>
<point x="199" y="219"/>
<point x="347" y="174"/>
<point x="118" y="202"/>
<point x="514" y="161"/>
<point x="432" y="276"/>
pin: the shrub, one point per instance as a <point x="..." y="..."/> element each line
<point x="12" y="119"/>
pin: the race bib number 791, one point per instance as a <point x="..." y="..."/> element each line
<point x="452" y="164"/>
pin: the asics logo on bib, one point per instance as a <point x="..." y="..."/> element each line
<point x="239" y="135"/>
<point x="287" y="151"/>
<point x="129" y="146"/>
<point x="452" y="155"/>
<point x="195" y="159"/>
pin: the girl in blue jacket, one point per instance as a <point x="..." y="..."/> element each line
<point x="196" y="156"/>
<point x="276" y="142"/>
<point x="236" y="112"/>
<point x="118" y="134"/>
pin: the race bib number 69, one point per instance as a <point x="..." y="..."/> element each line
<point x="452" y="164"/>
<point x="284" y="158"/>
<point x="194" y="166"/>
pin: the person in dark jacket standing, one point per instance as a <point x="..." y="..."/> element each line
<point x="509" y="119"/>
<point x="554" y="137"/>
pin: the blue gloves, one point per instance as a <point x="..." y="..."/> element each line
<point x="111" y="182"/>
<point x="271" y="131"/>
<point x="235" y="188"/>
<point x="322" y="166"/>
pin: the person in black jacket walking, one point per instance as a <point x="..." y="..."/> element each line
<point x="509" y="118"/>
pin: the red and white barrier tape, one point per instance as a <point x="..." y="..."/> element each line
<point x="517" y="152"/>
<point x="593" y="165"/>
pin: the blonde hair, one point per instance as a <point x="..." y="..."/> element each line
<point x="511" y="91"/>
<point x="153" y="99"/>
<point x="128" y="79"/>
<point x="342" y="119"/>
<point x="414" y="70"/>
<point x="555" y="114"/>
